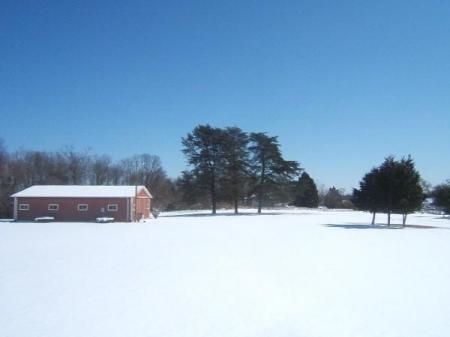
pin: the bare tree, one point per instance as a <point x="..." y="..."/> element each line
<point x="22" y="169"/>
<point x="100" y="170"/>
<point x="146" y="169"/>
<point x="77" y="164"/>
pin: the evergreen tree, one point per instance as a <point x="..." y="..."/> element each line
<point x="333" y="199"/>
<point x="306" y="194"/>
<point x="409" y="190"/>
<point x="368" y="196"/>
<point x="441" y="196"/>
<point x="399" y="184"/>
<point x="190" y="192"/>
<point x="393" y="187"/>
<point x="268" y="164"/>
<point x="203" y="148"/>
<point x="236" y="164"/>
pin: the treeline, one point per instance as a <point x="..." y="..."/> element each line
<point x="230" y="166"/>
<point x="21" y="169"/>
<point x="227" y="168"/>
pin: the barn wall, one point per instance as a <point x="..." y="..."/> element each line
<point x="97" y="207"/>
<point x="143" y="206"/>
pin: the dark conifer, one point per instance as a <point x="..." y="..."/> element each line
<point x="441" y="196"/>
<point x="306" y="194"/>
<point x="204" y="151"/>
<point x="333" y="199"/>
<point x="269" y="165"/>
<point x="368" y="197"/>
<point x="236" y="164"/>
<point x="393" y="187"/>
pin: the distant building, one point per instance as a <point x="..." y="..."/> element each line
<point x="82" y="203"/>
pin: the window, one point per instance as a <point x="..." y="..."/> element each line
<point x="24" y="207"/>
<point x="82" y="207"/>
<point x="112" y="207"/>
<point x="53" y="207"/>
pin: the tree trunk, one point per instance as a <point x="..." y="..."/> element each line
<point x="259" y="202"/>
<point x="236" y="193"/>
<point x="261" y="184"/>
<point x="404" y="219"/>
<point x="213" y="194"/>
<point x="389" y="219"/>
<point x="373" y="217"/>
<point x="214" y="204"/>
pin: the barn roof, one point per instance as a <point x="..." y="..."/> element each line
<point x="81" y="191"/>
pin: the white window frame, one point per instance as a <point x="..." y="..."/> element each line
<point x="53" y="209"/>
<point x="24" y="207"/>
<point x="114" y="206"/>
<point x="82" y="205"/>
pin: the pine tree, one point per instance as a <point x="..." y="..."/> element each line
<point x="368" y="196"/>
<point x="386" y="182"/>
<point x="409" y="190"/>
<point x="393" y="187"/>
<point x="400" y="187"/>
<point x="268" y="164"/>
<point x="236" y="167"/>
<point x="203" y="148"/>
<point x="306" y="194"/>
<point x="333" y="199"/>
<point x="441" y="196"/>
<point x="190" y="191"/>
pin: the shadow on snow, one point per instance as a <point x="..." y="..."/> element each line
<point x="379" y="226"/>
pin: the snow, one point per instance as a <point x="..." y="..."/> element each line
<point x="80" y="191"/>
<point x="285" y="273"/>
<point x="44" y="218"/>
<point x="104" y="219"/>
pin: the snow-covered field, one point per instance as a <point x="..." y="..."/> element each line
<point x="285" y="273"/>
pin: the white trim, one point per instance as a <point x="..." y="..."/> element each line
<point x="50" y="207"/>
<point x="115" y="206"/>
<point x="86" y="207"/>
<point x="24" y="207"/>
<point x="143" y="188"/>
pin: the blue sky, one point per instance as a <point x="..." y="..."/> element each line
<point x="343" y="84"/>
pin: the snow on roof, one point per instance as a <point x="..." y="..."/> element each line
<point x="81" y="191"/>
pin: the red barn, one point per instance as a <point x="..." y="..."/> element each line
<point x="82" y="203"/>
